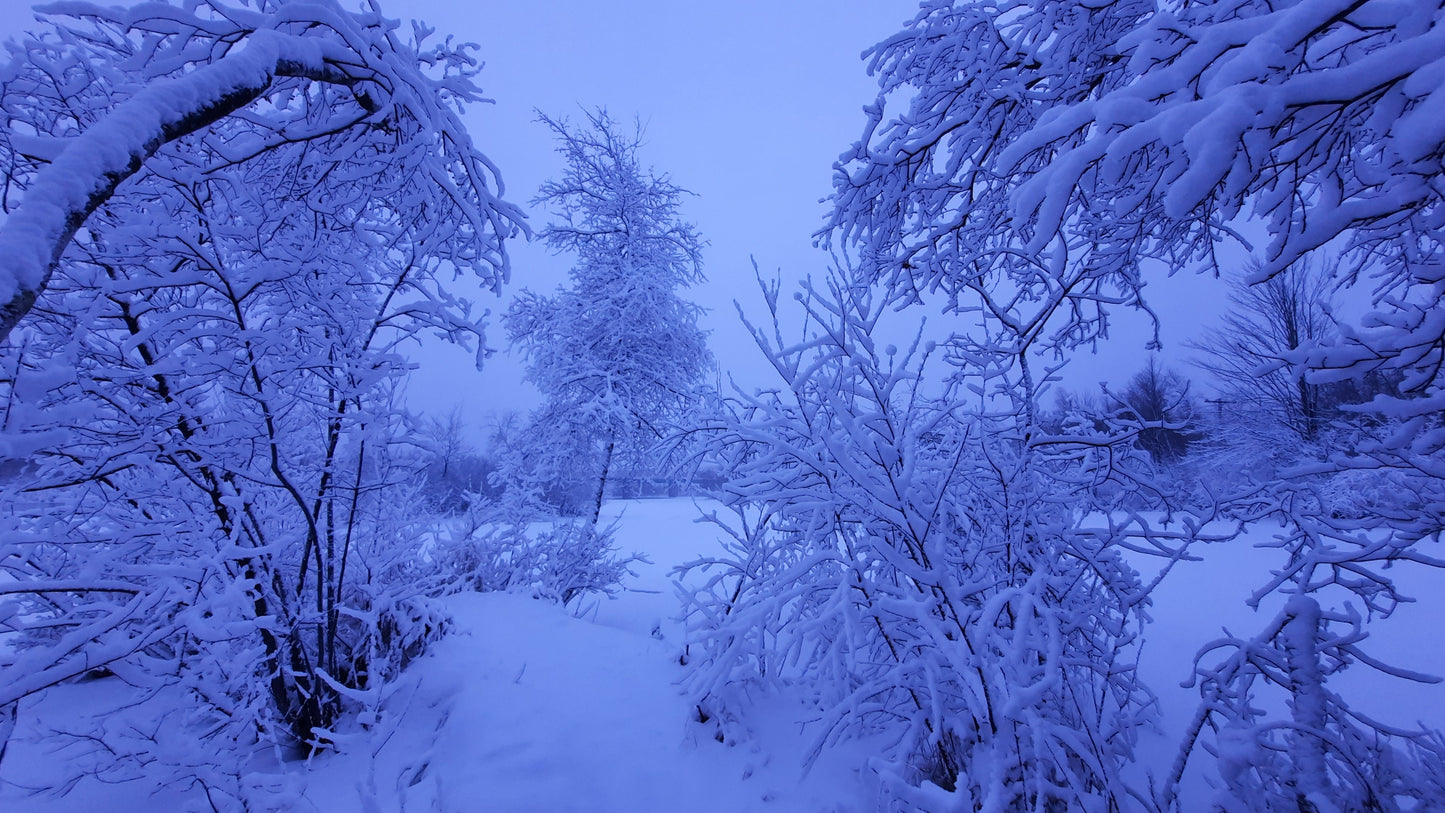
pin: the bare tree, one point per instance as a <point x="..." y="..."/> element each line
<point x="1157" y="404"/>
<point x="1254" y="354"/>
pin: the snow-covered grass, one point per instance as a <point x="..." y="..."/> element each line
<point x="526" y="707"/>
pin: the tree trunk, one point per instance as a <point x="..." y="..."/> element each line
<point x="602" y="481"/>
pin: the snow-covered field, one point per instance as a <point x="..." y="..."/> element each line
<point x="525" y="707"/>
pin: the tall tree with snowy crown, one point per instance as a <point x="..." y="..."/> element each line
<point x="617" y="353"/>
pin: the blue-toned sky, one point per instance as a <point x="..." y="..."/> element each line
<point x="746" y="103"/>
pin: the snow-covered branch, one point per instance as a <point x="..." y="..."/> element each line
<point x="207" y="67"/>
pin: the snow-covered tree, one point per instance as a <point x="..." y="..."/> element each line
<point x="908" y="549"/>
<point x="617" y="353"/>
<point x="90" y="103"/>
<point x="213" y="501"/>
<point x="456" y="471"/>
<point x="1033" y="162"/>
<point x="1096" y="137"/>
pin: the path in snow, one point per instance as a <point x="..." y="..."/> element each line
<point x="532" y="710"/>
<point x="523" y="708"/>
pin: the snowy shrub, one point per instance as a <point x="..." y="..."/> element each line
<point x="1324" y="756"/>
<point x="923" y="569"/>
<point x="1361" y="493"/>
<point x="559" y="560"/>
<point x="1281" y="736"/>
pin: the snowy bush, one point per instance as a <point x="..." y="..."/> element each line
<point x="1362" y="493"/>
<point x="1281" y="737"/>
<point x="922" y="567"/>
<point x="559" y="560"/>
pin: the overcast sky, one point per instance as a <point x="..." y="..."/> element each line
<point x="746" y="103"/>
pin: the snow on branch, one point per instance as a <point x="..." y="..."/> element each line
<point x="196" y="70"/>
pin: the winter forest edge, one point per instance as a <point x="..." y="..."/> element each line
<point x="227" y="225"/>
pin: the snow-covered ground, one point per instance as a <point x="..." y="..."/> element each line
<point x="525" y="707"/>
